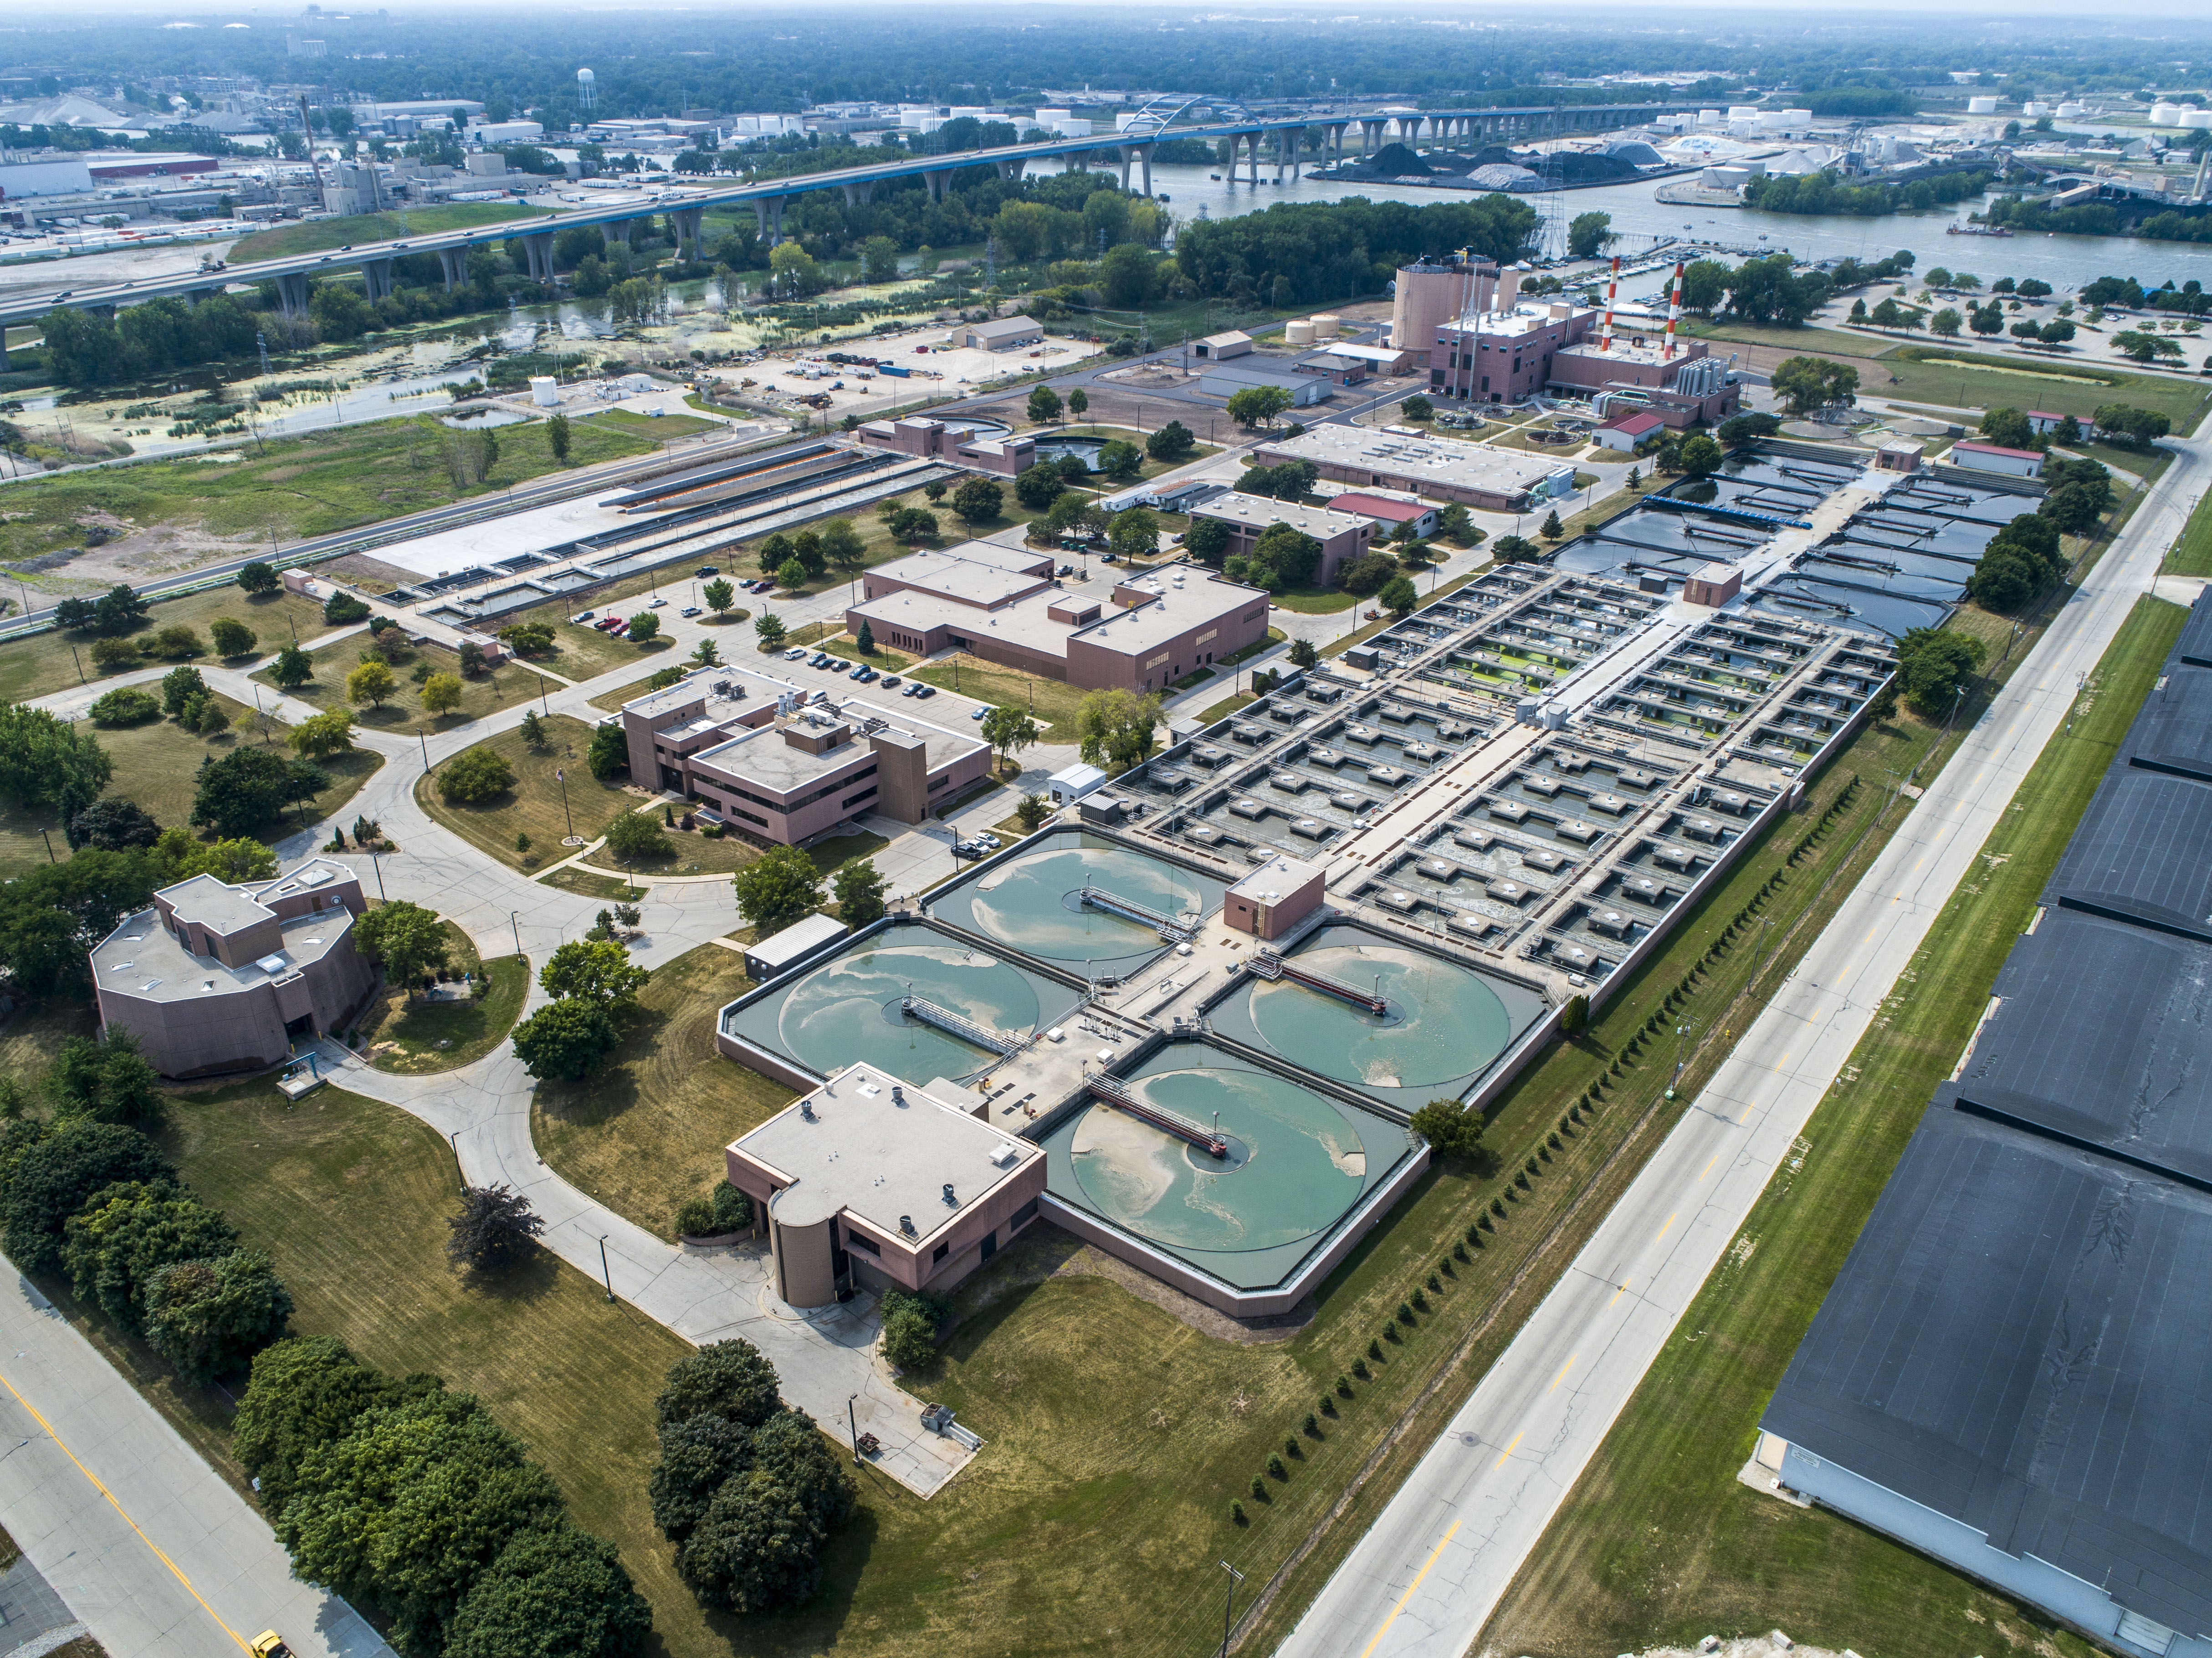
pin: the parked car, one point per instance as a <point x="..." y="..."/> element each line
<point x="794" y="653"/>
<point x="1067" y="569"/>
<point x="979" y="714"/>
<point x="706" y="570"/>
<point x="656" y="603"/>
<point x="926" y="691"/>
<point x="889" y="680"/>
<point x="689" y="610"/>
<point x="584" y="616"/>
<point x="911" y="689"/>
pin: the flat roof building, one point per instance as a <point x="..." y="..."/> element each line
<point x="954" y="444"/>
<point x="1996" y="458"/>
<point x="796" y="945"/>
<point x="782" y="765"/>
<point x="1147" y="631"/>
<point x="1690" y="386"/>
<point x="1437" y="469"/>
<point x="981" y="573"/>
<point x="1344" y="537"/>
<point x="2007" y="1373"/>
<point x="1002" y="334"/>
<point x="872" y="1182"/>
<point x="216" y="977"/>
<point x="1305" y="390"/>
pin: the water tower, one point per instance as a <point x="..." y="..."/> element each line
<point x="587" y="89"/>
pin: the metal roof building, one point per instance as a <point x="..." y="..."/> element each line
<point x="2011" y="1372"/>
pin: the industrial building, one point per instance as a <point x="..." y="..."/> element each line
<point x="1391" y="512"/>
<point x="1305" y="390"/>
<point x="956" y="446"/>
<point x="218" y="977"/>
<point x="777" y="764"/>
<point x="2007" y="1374"/>
<point x="1679" y="380"/>
<point x="1343" y="538"/>
<point x="998" y="604"/>
<point x="1004" y="334"/>
<point x="872" y="1182"/>
<point x="1217" y="348"/>
<point x="1996" y="458"/>
<point x="1436" y="468"/>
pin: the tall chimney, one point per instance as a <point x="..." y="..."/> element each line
<point x="307" y="132"/>
<point x="1673" y="313"/>
<point x="1612" y="287"/>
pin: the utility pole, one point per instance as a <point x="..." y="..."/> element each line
<point x="1229" y="1607"/>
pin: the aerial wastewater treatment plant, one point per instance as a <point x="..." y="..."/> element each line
<point x="1191" y="1026"/>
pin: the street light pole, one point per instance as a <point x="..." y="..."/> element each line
<point x="604" y="1272"/>
<point x="421" y="738"/>
<point x="516" y="926"/>
<point x="852" y="1425"/>
<point x="1229" y="1607"/>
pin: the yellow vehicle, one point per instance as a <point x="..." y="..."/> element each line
<point x="268" y="1644"/>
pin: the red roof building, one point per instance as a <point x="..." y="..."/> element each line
<point x="1625" y="432"/>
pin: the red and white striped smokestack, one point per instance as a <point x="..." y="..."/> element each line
<point x="1612" y="286"/>
<point x="1673" y="313"/>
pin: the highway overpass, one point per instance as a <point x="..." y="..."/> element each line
<point x="686" y="205"/>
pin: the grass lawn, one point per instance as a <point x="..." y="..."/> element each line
<point x="655" y="429"/>
<point x="1054" y="701"/>
<point x="156" y="766"/>
<point x="290" y="490"/>
<point x="1227" y="706"/>
<point x="1833" y="342"/>
<point x="487" y="693"/>
<point x="694" y="854"/>
<point x="581" y="652"/>
<point x="2192" y="549"/>
<point x="572" y="879"/>
<point x="1960" y="377"/>
<point x="54" y="661"/>
<point x="1658" y="1545"/>
<point x="350" y="1199"/>
<point x="645" y="1135"/>
<point x="1313" y="601"/>
<point x="326" y="235"/>
<point x="404" y="1034"/>
<point x="533" y="805"/>
<point x="1149" y="467"/>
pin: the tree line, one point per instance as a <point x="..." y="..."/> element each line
<point x="1297" y="253"/>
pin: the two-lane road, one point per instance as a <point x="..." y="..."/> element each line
<point x="1425" y="1579"/>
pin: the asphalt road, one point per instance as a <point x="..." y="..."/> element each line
<point x="1432" y="1569"/>
<point x="139" y="1537"/>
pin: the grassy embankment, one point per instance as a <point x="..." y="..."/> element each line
<point x="289" y="489"/>
<point x="402" y="711"/>
<point x="535" y="806"/>
<point x="43" y="663"/>
<point x="1658" y="1545"/>
<point x="327" y="235"/>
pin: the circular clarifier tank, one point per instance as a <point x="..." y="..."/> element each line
<point x="849" y="1012"/>
<point x="1441" y="1023"/>
<point x="1295" y="1162"/>
<point x="1032" y="903"/>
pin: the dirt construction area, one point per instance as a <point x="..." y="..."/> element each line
<point x="935" y="370"/>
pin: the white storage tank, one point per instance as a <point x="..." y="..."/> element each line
<point x="545" y="391"/>
<point x="1298" y="333"/>
<point x="2166" y="115"/>
<point x="2197" y="120"/>
<point x="2071" y="112"/>
<point x="1327" y="327"/>
<point x="1981" y="106"/>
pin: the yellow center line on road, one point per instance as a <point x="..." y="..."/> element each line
<point x="1562" y="1376"/>
<point x="174" y="1570"/>
<point x="1709" y="1169"/>
<point x="1501" y="1463"/>
<point x="1617" y="1295"/>
<point x="1667" y="1228"/>
<point x="1377" y="1640"/>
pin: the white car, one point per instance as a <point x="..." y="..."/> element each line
<point x="656" y="604"/>
<point x="794" y="653"/>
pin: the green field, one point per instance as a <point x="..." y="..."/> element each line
<point x="1831" y="342"/>
<point x="646" y="1135"/>
<point x="2192" y="549"/>
<point x="1934" y="374"/>
<point x="54" y="661"/>
<point x="401" y="1032"/>
<point x="324" y="236"/>
<point x="155" y="766"/>
<point x="484" y="693"/>
<point x="743" y="561"/>
<point x="1053" y="702"/>
<point x="286" y="490"/>
<point x="1658" y="1545"/>
<point x="534" y="805"/>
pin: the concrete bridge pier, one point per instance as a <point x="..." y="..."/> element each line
<point x="1011" y="167"/>
<point x="1371" y="136"/>
<point x="375" y="278"/>
<point x="858" y="194"/>
<point x="292" y="293"/>
<point x="685" y="222"/>
<point x="939" y="183"/>
<point x="618" y="230"/>
<point x="454" y="265"/>
<point x="1141" y="154"/>
<point x="538" y="256"/>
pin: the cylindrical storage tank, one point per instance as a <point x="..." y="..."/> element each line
<point x="1709" y="118"/>
<point x="1298" y="333"/>
<point x="805" y="1270"/>
<point x="1981" y="106"/>
<point x="1743" y="111"/>
<point x="2166" y="115"/>
<point x="1327" y="327"/>
<point x="2069" y="111"/>
<point x="1430" y="295"/>
<point x="545" y="391"/>
<point x="2197" y="120"/>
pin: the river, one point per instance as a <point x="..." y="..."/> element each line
<point x="2065" y="261"/>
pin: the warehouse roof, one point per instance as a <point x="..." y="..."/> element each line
<point x="2016" y="1342"/>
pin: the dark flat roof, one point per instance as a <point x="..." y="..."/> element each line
<point x="2017" y="1341"/>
